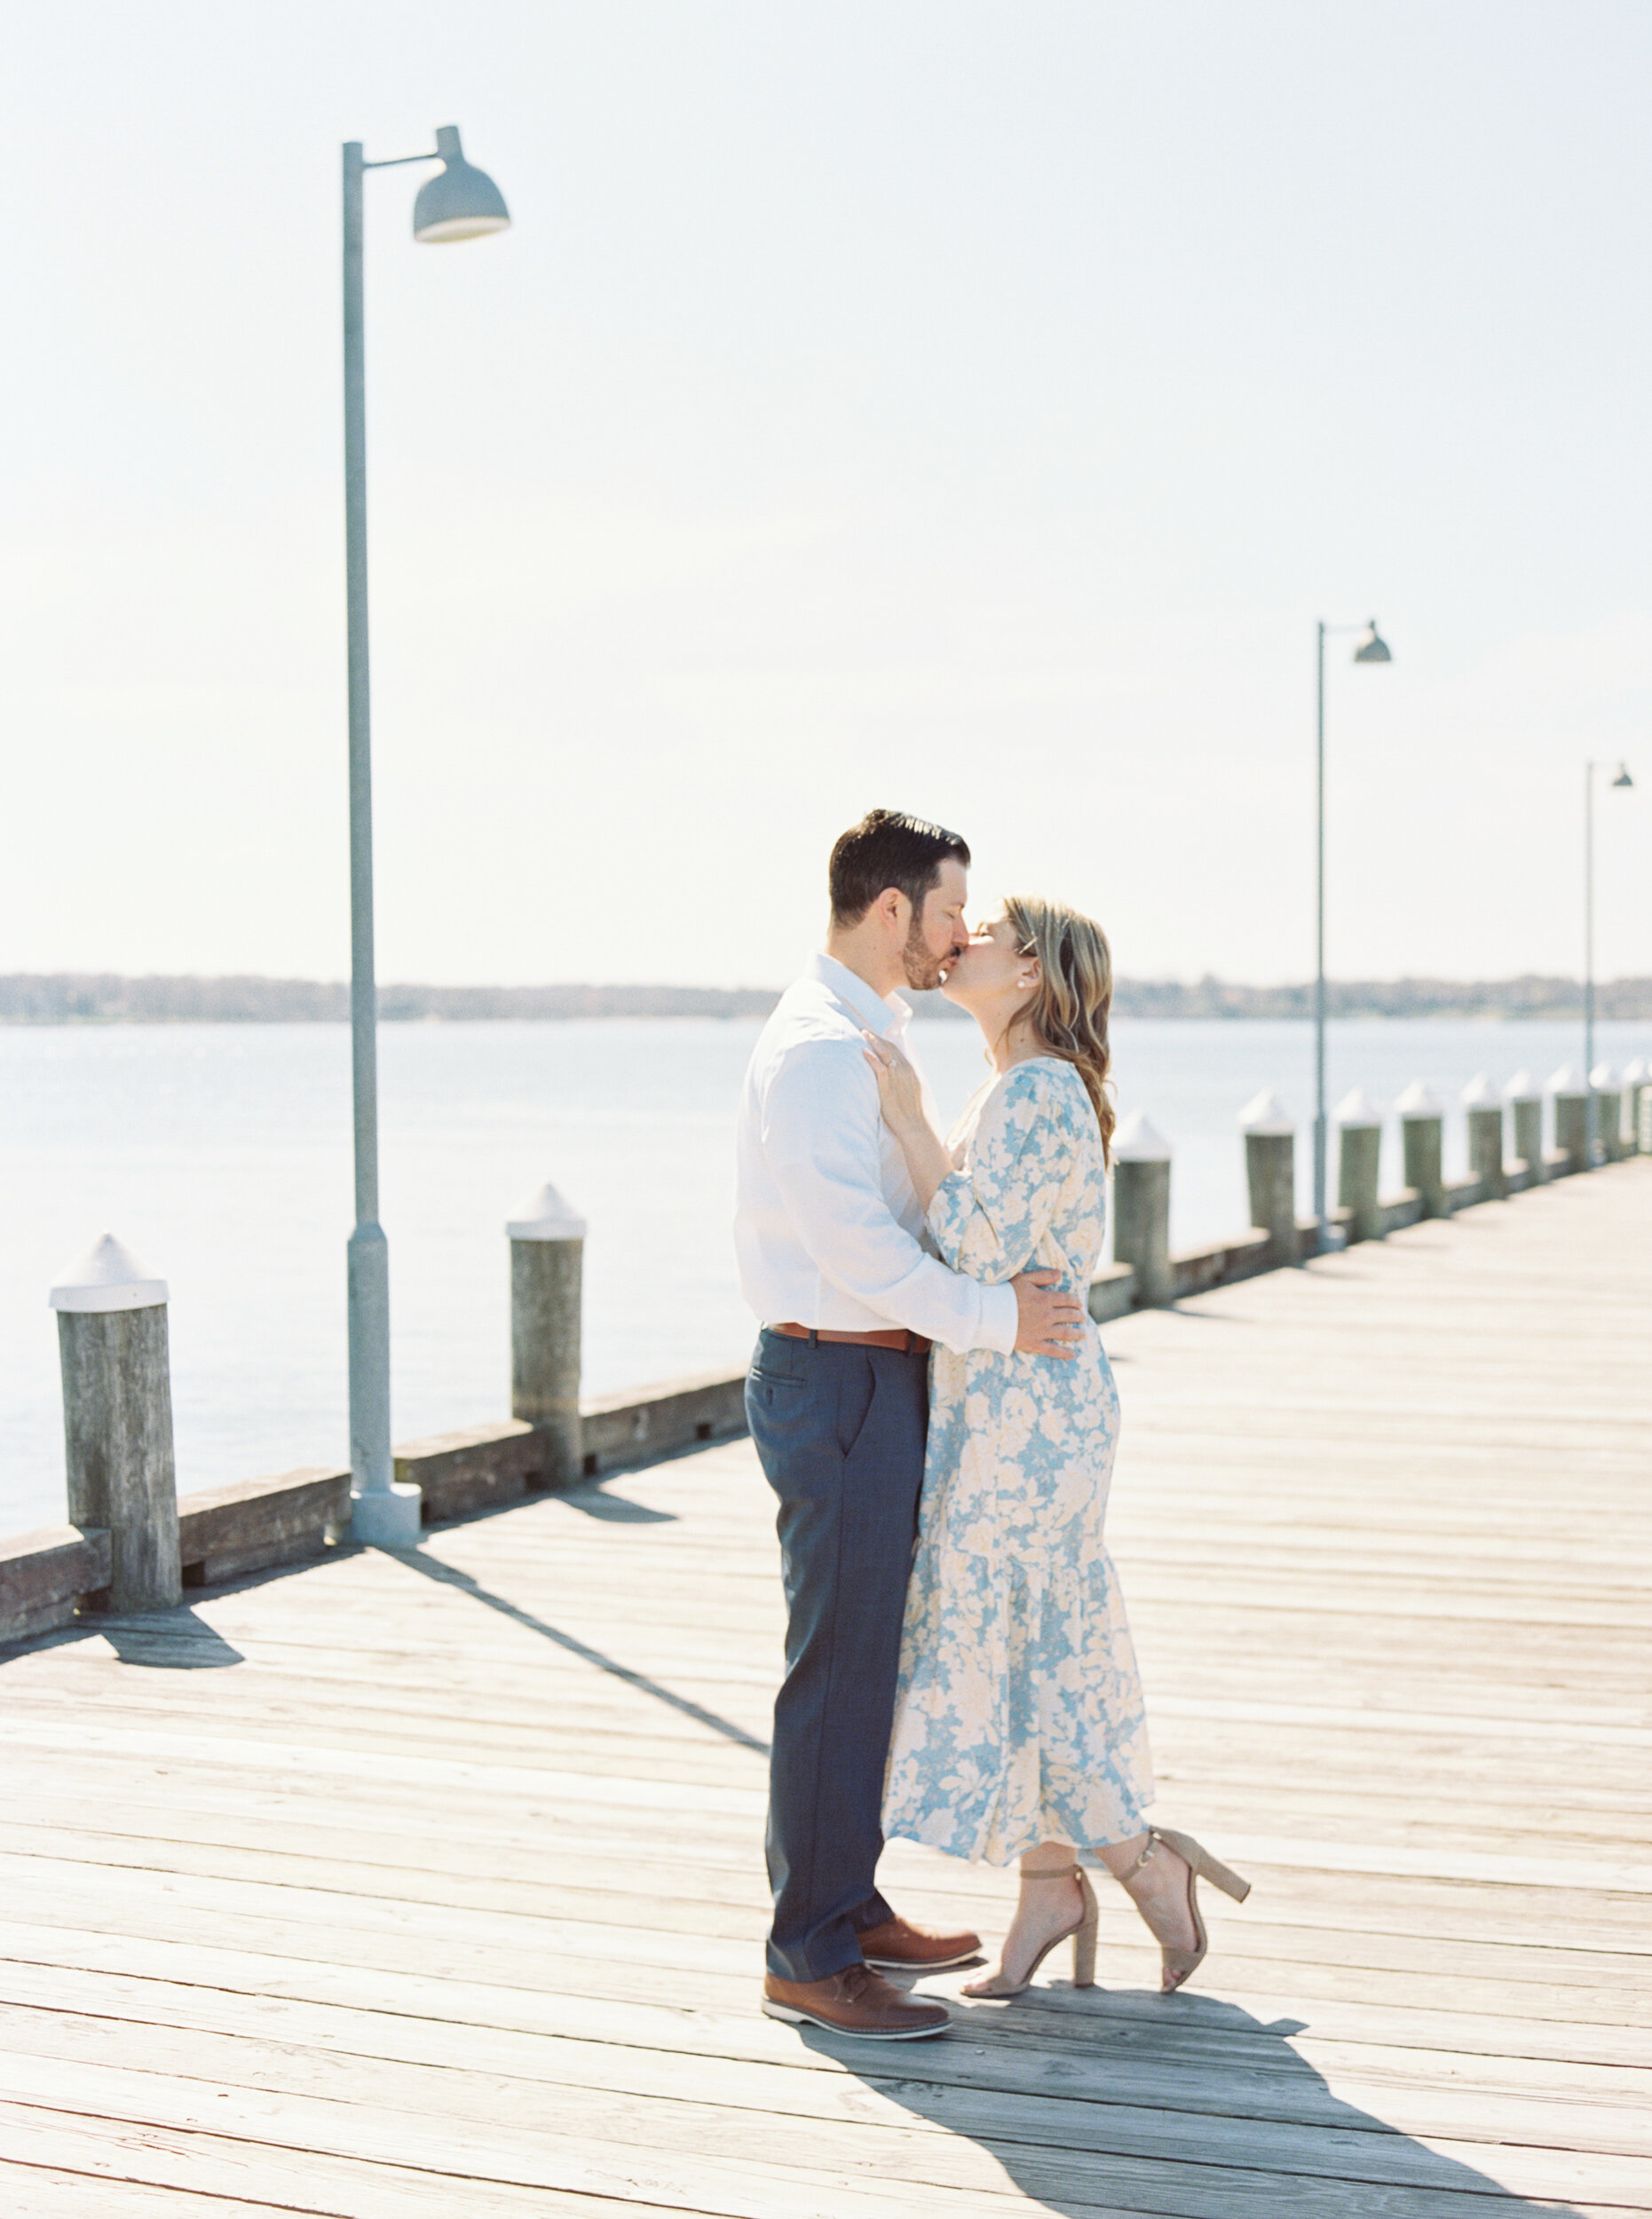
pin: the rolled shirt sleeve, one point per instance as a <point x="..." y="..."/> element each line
<point x="822" y="1134"/>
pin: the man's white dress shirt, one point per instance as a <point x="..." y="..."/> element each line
<point x="827" y="1225"/>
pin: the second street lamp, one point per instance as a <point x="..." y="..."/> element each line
<point x="460" y="203"/>
<point x="1372" y="649"/>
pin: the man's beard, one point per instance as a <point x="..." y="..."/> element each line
<point x="923" y="970"/>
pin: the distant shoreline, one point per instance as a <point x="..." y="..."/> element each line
<point x="105" y="997"/>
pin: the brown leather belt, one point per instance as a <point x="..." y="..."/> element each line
<point x="894" y="1336"/>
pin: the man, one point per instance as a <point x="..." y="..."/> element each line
<point x="827" y="1230"/>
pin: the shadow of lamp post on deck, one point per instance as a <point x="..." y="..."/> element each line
<point x="1372" y="649"/>
<point x="458" y="202"/>
<point x="1622" y="779"/>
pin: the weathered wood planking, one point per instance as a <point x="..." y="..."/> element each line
<point x="433" y="1886"/>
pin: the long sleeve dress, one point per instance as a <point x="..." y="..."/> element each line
<point x="1019" y="1717"/>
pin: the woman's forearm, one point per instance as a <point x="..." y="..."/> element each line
<point x="928" y="1161"/>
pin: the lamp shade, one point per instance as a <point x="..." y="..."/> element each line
<point x="1374" y="648"/>
<point x="1623" y="777"/>
<point x="459" y="202"/>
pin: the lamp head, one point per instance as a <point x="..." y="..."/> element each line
<point x="1623" y="777"/>
<point x="1374" y="648"/>
<point x="460" y="203"/>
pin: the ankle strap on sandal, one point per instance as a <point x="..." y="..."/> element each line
<point x="1154" y="1837"/>
<point x="1067" y="1872"/>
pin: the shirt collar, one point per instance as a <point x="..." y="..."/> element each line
<point x="888" y="1019"/>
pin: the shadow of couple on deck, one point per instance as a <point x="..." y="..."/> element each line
<point x="1098" y="2103"/>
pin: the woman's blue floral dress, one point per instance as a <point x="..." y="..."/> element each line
<point x="1019" y="1715"/>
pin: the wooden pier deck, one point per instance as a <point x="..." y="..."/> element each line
<point x="431" y="1885"/>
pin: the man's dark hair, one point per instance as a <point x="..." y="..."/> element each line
<point x="888" y="847"/>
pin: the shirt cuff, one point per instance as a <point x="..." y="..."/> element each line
<point x="1001" y="1319"/>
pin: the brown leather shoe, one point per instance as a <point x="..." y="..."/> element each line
<point x="897" y="1946"/>
<point x="856" y="2000"/>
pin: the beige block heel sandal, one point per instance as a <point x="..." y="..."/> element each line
<point x="1082" y="1936"/>
<point x="1180" y="1965"/>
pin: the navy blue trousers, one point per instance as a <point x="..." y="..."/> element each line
<point x="840" y="1430"/>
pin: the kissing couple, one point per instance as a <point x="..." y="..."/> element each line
<point x="933" y="1407"/>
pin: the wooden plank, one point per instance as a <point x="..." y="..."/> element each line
<point x="44" y="1575"/>
<point x="670" y="2151"/>
<point x="591" y="1998"/>
<point x="480" y="1467"/>
<point x="496" y="1912"/>
<point x="588" y="1695"/>
<point x="600" y="1878"/>
<point x="34" y="2191"/>
<point x="681" y="1968"/>
<point x="1070" y="2055"/>
<point x="249" y="2042"/>
<point x="106" y="2163"/>
<point x="330" y="1749"/>
<point x="1423" y="1828"/>
<point x="251" y="1524"/>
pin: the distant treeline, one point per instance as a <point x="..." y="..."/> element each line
<point x="104" y="998"/>
<point x="1529" y="996"/>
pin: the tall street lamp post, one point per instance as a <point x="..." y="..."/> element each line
<point x="1372" y="649"/>
<point x="458" y="202"/>
<point x="1623" y="778"/>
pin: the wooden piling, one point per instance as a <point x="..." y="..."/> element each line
<point x="1422" y="1134"/>
<point x="1359" y="1160"/>
<point x="1573" y="1117"/>
<point x="1270" y="1174"/>
<point x="117" y="1421"/>
<point x="1484" y="1111"/>
<point x="547" y="1271"/>
<point x="1605" y="1092"/>
<point x="1525" y="1098"/>
<point x="1637" y="1104"/>
<point x="1141" y="1208"/>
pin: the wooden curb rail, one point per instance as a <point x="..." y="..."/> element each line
<point x="49" y="1577"/>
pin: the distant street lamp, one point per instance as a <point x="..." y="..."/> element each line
<point x="1372" y="649"/>
<point x="458" y="202"/>
<point x="1623" y="778"/>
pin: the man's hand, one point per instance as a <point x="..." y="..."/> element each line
<point x="1048" y="1325"/>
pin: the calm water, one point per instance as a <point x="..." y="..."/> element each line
<point x="221" y="1155"/>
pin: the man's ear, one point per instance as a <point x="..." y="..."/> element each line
<point x="893" y="910"/>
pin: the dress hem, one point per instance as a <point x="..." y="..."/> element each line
<point x="1000" y="1859"/>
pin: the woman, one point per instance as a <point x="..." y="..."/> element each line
<point x="1018" y="1729"/>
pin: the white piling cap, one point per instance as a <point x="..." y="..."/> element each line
<point x="547" y="1216"/>
<point x="1521" y="1087"/>
<point x="1568" y="1080"/>
<point x="1419" y="1101"/>
<point x="1357" y="1107"/>
<point x="1638" y="1073"/>
<point x="107" y="1277"/>
<point x="1480" y="1094"/>
<point x="1266" y="1113"/>
<point x="1604" y="1077"/>
<point x="1138" y="1141"/>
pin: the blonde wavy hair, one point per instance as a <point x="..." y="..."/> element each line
<point x="1069" y="1012"/>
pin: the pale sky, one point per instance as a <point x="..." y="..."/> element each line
<point x="964" y="407"/>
